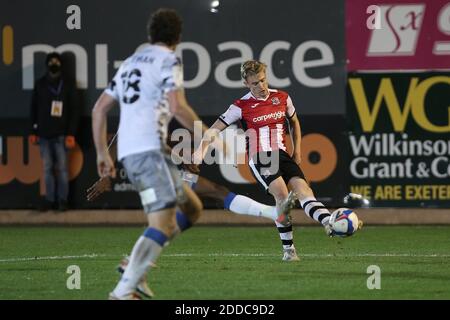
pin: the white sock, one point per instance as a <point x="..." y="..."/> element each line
<point x="270" y="212"/>
<point x="244" y="205"/>
<point x="145" y="252"/>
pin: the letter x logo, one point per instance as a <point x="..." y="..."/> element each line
<point x="399" y="32"/>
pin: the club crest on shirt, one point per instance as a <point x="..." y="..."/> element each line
<point x="265" y="172"/>
<point x="275" y="101"/>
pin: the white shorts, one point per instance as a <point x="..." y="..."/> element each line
<point x="156" y="178"/>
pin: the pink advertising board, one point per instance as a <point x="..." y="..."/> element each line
<point x="402" y="35"/>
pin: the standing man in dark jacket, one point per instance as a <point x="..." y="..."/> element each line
<point x="54" y="116"/>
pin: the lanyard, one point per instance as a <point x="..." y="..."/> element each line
<point x="57" y="91"/>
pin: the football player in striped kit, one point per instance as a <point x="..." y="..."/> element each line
<point x="263" y="113"/>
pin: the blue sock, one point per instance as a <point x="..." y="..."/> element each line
<point x="182" y="221"/>
<point x="156" y="235"/>
<point x="228" y="199"/>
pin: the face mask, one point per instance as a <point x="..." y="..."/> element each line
<point x="54" y="68"/>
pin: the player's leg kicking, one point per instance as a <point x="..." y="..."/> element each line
<point x="294" y="180"/>
<point x="312" y="207"/>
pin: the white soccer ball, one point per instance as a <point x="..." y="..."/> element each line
<point x="344" y="222"/>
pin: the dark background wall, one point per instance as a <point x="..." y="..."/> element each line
<point x="342" y="74"/>
<point x="112" y="30"/>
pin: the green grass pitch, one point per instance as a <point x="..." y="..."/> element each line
<point x="230" y="263"/>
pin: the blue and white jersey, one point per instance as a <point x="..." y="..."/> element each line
<point x="140" y="86"/>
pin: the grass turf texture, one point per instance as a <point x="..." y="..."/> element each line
<point x="230" y="263"/>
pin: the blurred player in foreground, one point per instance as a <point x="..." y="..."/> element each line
<point x="149" y="89"/>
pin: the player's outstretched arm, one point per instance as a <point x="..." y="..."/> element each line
<point x="209" y="136"/>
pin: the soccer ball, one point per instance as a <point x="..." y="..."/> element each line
<point x="344" y="222"/>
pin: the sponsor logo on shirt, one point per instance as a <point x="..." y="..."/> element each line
<point x="275" y="116"/>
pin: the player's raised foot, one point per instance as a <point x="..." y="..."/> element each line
<point x="130" y="296"/>
<point x="290" y="255"/>
<point x="142" y="288"/>
<point x="284" y="216"/>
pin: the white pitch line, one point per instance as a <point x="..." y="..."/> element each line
<point x="92" y="255"/>
<point x="400" y="255"/>
<point x="312" y="255"/>
<point x="175" y="255"/>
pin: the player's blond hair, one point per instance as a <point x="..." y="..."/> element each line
<point x="252" y="67"/>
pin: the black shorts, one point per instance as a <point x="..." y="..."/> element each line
<point x="268" y="166"/>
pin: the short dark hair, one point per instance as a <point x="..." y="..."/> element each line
<point x="165" y="26"/>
